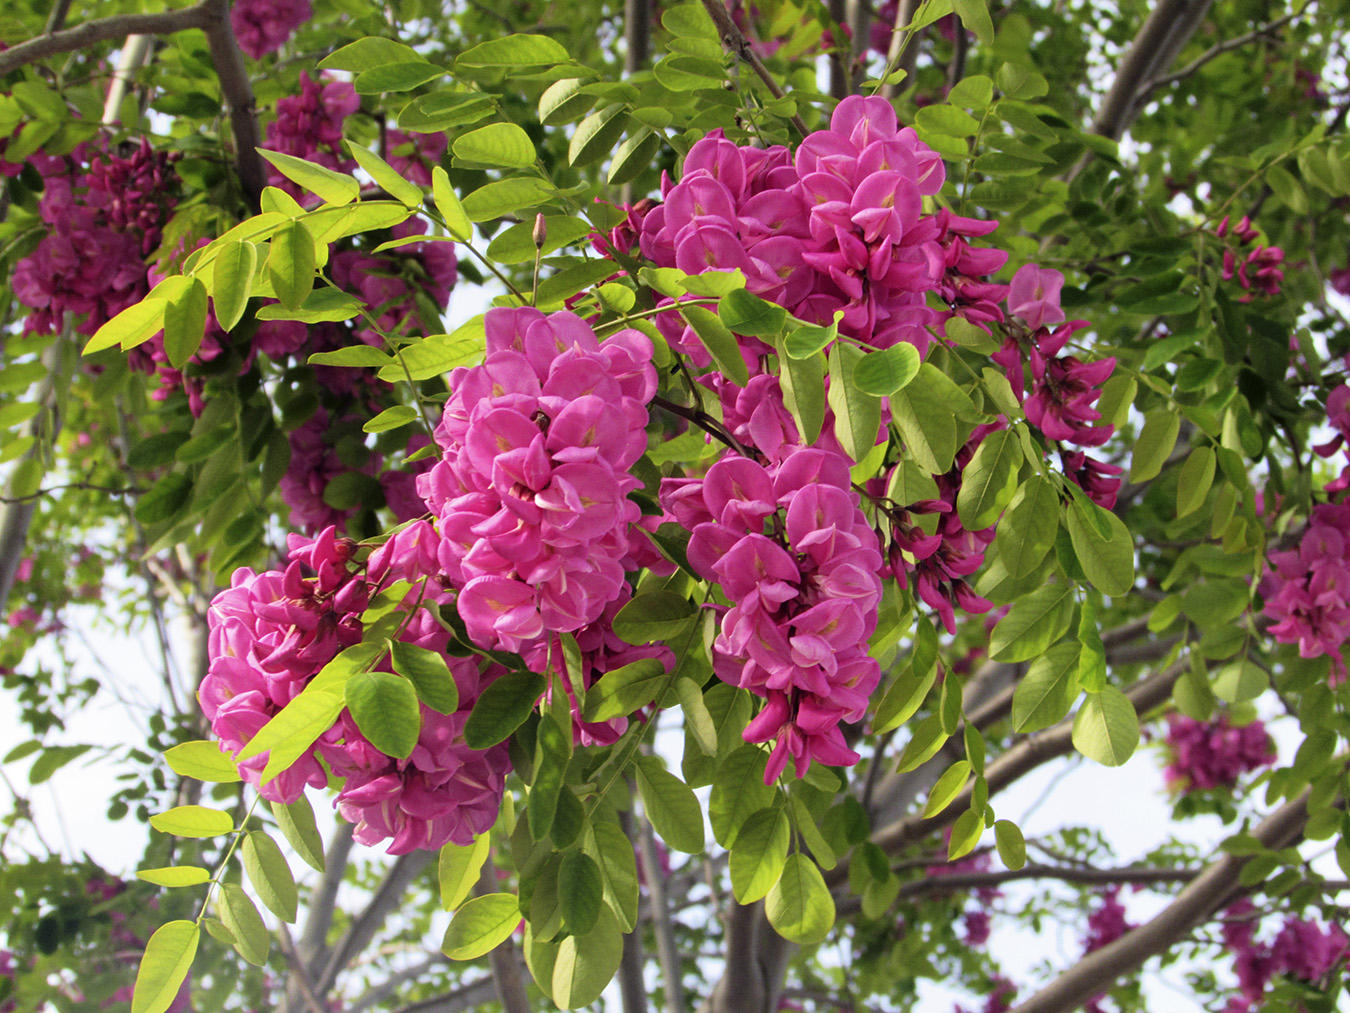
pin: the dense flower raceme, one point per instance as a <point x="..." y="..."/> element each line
<point x="837" y="227"/>
<point x="1213" y="754"/>
<point x="531" y="493"/>
<point x="263" y="26"/>
<point x="1301" y="949"/>
<point x="316" y="460"/>
<point x="390" y="283"/>
<point x="1259" y="270"/>
<point x="272" y="632"/>
<point x="804" y="595"/>
<point x="309" y="126"/>
<point x="1106" y="923"/>
<point x="104" y="213"/>
<point x="1307" y="592"/>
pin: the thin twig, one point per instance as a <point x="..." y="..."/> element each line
<point x="735" y="43"/>
<point x="299" y="973"/>
<point x="666" y="949"/>
<point x="119" y="26"/>
<point x="1216" y="50"/>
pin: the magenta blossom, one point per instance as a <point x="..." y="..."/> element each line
<point x="1034" y="296"/>
<point x="263" y="26"/>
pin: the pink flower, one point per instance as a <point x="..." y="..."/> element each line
<point x="1034" y="295"/>
<point x="263" y="26"/>
<point x="1213" y="754"/>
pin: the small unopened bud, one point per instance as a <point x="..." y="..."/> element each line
<point x="540" y="232"/>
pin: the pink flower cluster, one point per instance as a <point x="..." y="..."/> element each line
<point x="309" y="126"/>
<point x="1213" y="754"/>
<point x="601" y="652"/>
<point x="263" y="26"/>
<point x="1106" y="924"/>
<point x="1301" y="949"/>
<point x="1307" y="592"/>
<point x="315" y="461"/>
<point x="839" y="227"/>
<point x="804" y="595"/>
<point x="531" y="493"/>
<point x="939" y="563"/>
<point x="101" y="222"/>
<point x="390" y="283"/>
<point x="272" y="632"/>
<point x="1064" y="389"/>
<point x="1259" y="270"/>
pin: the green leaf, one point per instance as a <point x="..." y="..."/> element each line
<point x="516" y="244"/>
<point x="927" y="423"/>
<point x="1048" y="690"/>
<point x="368" y="53"/>
<point x="974" y="15"/>
<point x="354" y="357"/>
<point x="904" y="696"/>
<point x="803" y="382"/>
<point x="887" y="371"/>
<point x="289" y="734"/>
<point x="943" y="119"/>
<point x="857" y="415"/>
<point x="799" y="906"/>
<point x="270" y="875"/>
<point x="720" y="342"/>
<point x="232" y="281"/>
<point x="597" y="135"/>
<point x="241" y="917"/>
<point x="385" y="709"/>
<point x="635" y="154"/>
<point x="203" y="760"/>
<point x="515" y="51"/>
<point x="437" y="354"/>
<point x="625" y="689"/>
<point x="563" y="102"/>
<point x="495" y="146"/>
<point x="948" y="787"/>
<point x="581" y="891"/>
<point x="1011" y="847"/>
<point x="396" y="77"/>
<point x="966" y="833"/>
<point x="760" y="854"/>
<point x="553" y="748"/>
<point x="429" y="674"/>
<point x="386" y="176"/>
<point x="481" y="925"/>
<point x="805" y="340"/>
<point x="444" y="108"/>
<point x="164" y="966"/>
<point x="1154" y="445"/>
<point x="657" y="615"/>
<point x="175" y="876"/>
<point x="502" y="708"/>
<point x="458" y="869"/>
<point x="989" y="481"/>
<point x="585" y="965"/>
<point x="924" y="744"/>
<point x="1194" y="480"/>
<point x="738" y="791"/>
<point x="1030" y="526"/>
<point x="136" y="324"/>
<point x="395" y="417"/>
<point x="1240" y="681"/>
<point x="1108" y="562"/>
<point x="296" y="821"/>
<point x="745" y="313"/>
<point x="670" y="805"/>
<point x="1106" y="729"/>
<point x="1033" y="624"/>
<point x="614" y="855"/>
<point x="184" y="324"/>
<point x="334" y="188"/>
<point x="504" y="197"/>
<point x="193" y="821"/>
<point x="290" y="264"/>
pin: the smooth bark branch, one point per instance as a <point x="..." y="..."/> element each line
<point x="1168" y="28"/>
<point x="841" y="54"/>
<point x="212" y="17"/>
<point x="632" y="988"/>
<point x="1227" y="46"/>
<point x="299" y="973"/>
<point x="1208" y="893"/>
<point x="741" y="986"/>
<point x="479" y="993"/>
<point x="735" y="43"/>
<point x="1022" y="758"/>
<point x="324" y="900"/>
<point x="667" y="950"/>
<point x="637" y="19"/>
<point x="504" y="959"/>
<point x="386" y="900"/>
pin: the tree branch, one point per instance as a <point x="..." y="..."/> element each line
<point x="632" y="989"/>
<point x="735" y="43"/>
<point x="666" y="950"/>
<point x="903" y="52"/>
<point x="386" y="899"/>
<point x="471" y="996"/>
<point x="1209" y="892"/>
<point x="1227" y="46"/>
<point x="637" y="20"/>
<point x="1168" y="28"/>
<point x="324" y="900"/>
<point x="212" y="17"/>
